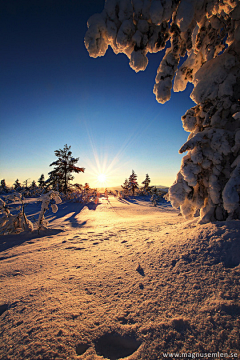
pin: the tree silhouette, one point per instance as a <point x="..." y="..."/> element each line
<point x="64" y="167"/>
<point x="146" y="183"/>
<point x="17" y="185"/>
<point x="132" y="182"/>
<point x="125" y="187"/>
<point x="41" y="181"/>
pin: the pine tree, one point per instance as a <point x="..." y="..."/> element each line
<point x="17" y="185"/>
<point x="41" y="181"/>
<point x="33" y="184"/>
<point x="146" y="183"/>
<point x="64" y="167"/>
<point x="25" y="184"/>
<point x="4" y="186"/>
<point x="125" y="187"/>
<point x="133" y="184"/>
<point x="54" y="182"/>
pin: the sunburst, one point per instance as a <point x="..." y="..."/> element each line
<point x="102" y="178"/>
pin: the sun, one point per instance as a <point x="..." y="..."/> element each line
<point x="102" y="178"/>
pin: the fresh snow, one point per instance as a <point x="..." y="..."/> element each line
<point x="121" y="279"/>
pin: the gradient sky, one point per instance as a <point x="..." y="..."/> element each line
<point x="53" y="93"/>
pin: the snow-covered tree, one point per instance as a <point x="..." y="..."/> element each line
<point x="207" y="33"/>
<point x="156" y="195"/>
<point x="125" y="187"/>
<point x="41" y="181"/>
<point x="33" y="185"/>
<point x="132" y="182"/>
<point x="54" y="182"/>
<point x="25" y="184"/>
<point x="3" y="186"/>
<point x="17" y="185"/>
<point x="61" y="175"/>
<point x="146" y="183"/>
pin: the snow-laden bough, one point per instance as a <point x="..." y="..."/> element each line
<point x="207" y="32"/>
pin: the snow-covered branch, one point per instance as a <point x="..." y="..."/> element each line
<point x="207" y="34"/>
<point x="46" y="199"/>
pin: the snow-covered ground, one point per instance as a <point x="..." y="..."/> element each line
<point x="122" y="279"/>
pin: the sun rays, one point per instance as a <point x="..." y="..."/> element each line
<point x="102" y="178"/>
<point x="105" y="167"/>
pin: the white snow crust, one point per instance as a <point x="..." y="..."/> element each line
<point x="121" y="279"/>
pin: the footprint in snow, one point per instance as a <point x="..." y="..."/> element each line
<point x="3" y="308"/>
<point x="140" y="270"/>
<point x="81" y="348"/>
<point x="114" y="346"/>
<point x="74" y="248"/>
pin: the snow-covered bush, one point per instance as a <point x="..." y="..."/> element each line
<point x="156" y="195"/>
<point x="10" y="223"/>
<point x="52" y="198"/>
<point x="207" y="32"/>
<point x="16" y="223"/>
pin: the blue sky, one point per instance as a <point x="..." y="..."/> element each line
<point x="53" y="93"/>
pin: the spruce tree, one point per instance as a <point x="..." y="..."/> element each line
<point x="4" y="186"/>
<point x="64" y="167"/>
<point x="25" y="184"/>
<point x="41" y="181"/>
<point x="125" y="187"/>
<point x="54" y="182"/>
<point x="17" y="185"/>
<point x="33" y="184"/>
<point x="133" y="184"/>
<point x="146" y="183"/>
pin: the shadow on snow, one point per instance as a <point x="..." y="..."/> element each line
<point x="32" y="211"/>
<point x="11" y="240"/>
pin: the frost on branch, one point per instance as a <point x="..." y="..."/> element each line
<point x="206" y="33"/>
